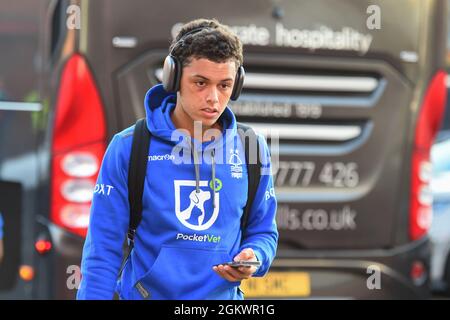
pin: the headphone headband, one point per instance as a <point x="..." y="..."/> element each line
<point x="181" y="40"/>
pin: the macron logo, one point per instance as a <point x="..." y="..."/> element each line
<point x="161" y="157"/>
<point x="197" y="238"/>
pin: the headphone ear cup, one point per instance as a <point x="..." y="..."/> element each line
<point x="238" y="84"/>
<point x="171" y="74"/>
<point x="178" y="67"/>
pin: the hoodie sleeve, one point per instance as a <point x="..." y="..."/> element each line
<point x="261" y="233"/>
<point x="109" y="217"/>
<point x="1" y="226"/>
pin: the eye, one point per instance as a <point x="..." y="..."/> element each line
<point x="200" y="83"/>
<point x="225" y="86"/>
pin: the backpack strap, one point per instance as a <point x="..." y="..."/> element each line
<point x="253" y="169"/>
<point x="136" y="176"/>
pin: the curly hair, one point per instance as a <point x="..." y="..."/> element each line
<point x="216" y="43"/>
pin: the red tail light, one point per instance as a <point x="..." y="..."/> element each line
<point x="418" y="273"/>
<point x="427" y="125"/>
<point x="43" y="246"/>
<point x="78" y="146"/>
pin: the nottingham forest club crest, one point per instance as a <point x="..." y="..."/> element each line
<point x="236" y="164"/>
<point x="194" y="208"/>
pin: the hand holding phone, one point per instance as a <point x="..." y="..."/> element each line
<point x="242" y="266"/>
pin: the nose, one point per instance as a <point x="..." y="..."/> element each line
<point x="212" y="97"/>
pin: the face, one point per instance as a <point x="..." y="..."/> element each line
<point x="205" y="90"/>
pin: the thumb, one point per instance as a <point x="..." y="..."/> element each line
<point x="244" y="255"/>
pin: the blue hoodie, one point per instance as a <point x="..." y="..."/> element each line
<point x="186" y="228"/>
<point x="1" y="226"/>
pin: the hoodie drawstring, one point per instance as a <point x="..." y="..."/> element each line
<point x="196" y="166"/>
<point x="197" y="172"/>
<point x="213" y="169"/>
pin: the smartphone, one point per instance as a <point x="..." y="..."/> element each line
<point x="237" y="264"/>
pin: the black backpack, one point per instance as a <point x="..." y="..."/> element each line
<point x="138" y="168"/>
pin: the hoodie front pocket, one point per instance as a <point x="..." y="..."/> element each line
<point x="185" y="273"/>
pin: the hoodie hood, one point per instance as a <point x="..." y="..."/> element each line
<point x="159" y="105"/>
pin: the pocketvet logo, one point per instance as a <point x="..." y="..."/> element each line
<point x="196" y="200"/>
<point x="198" y="238"/>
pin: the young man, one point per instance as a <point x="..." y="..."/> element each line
<point x="191" y="211"/>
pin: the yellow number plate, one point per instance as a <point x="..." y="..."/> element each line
<point x="278" y="284"/>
